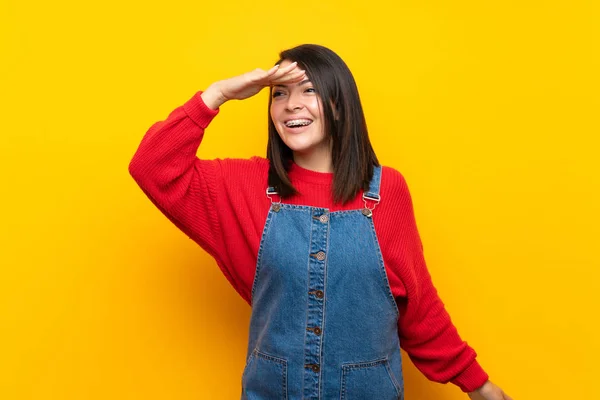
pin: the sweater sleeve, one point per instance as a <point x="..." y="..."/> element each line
<point x="426" y="331"/>
<point x="183" y="187"/>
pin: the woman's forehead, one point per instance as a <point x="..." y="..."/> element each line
<point x="285" y="63"/>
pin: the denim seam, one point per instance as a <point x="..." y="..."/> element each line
<point x="363" y="364"/>
<point x="311" y="208"/>
<point x="343" y="384"/>
<point x="324" y="303"/>
<point x="392" y="377"/>
<point x="347" y="367"/>
<point x="248" y="362"/>
<point x="300" y="207"/>
<point x="307" y="300"/>
<point x="260" y="251"/>
<point x="269" y="357"/>
<point x="382" y="270"/>
<point x="282" y="363"/>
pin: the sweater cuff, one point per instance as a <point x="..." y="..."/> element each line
<point x="198" y="111"/>
<point x="472" y="378"/>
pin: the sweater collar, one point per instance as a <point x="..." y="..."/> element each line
<point x="296" y="172"/>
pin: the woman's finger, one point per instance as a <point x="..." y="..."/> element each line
<point x="292" y="77"/>
<point x="259" y="75"/>
<point x="282" y="71"/>
<point x="272" y="70"/>
<point x="289" y="67"/>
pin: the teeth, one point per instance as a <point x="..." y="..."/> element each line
<point x="298" y="122"/>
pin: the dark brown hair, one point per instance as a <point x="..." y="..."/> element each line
<point x="353" y="157"/>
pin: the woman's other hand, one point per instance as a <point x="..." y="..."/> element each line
<point x="489" y="391"/>
<point x="248" y="84"/>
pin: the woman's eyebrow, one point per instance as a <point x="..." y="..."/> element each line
<point x="297" y="84"/>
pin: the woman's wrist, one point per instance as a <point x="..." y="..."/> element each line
<point x="212" y="97"/>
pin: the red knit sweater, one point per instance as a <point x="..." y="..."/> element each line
<point x="221" y="205"/>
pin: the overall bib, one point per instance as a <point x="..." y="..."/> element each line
<point x="324" y="322"/>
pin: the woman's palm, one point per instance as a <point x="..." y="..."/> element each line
<point x="248" y="84"/>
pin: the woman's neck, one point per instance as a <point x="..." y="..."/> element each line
<point x="318" y="160"/>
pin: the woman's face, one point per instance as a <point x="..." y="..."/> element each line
<point x="298" y="116"/>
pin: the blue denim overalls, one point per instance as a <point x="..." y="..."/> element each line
<point x="324" y="322"/>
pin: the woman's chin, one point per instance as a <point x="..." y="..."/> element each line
<point x="301" y="148"/>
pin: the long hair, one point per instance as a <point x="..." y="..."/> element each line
<point x="353" y="157"/>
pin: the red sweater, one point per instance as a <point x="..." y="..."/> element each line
<point x="221" y="205"/>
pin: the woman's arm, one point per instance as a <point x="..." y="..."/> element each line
<point x="426" y="330"/>
<point x="185" y="188"/>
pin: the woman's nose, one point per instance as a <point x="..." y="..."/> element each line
<point x="294" y="103"/>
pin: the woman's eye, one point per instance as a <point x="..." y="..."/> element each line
<point x="311" y="90"/>
<point x="277" y="94"/>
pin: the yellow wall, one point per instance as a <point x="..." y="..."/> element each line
<point x="490" y="109"/>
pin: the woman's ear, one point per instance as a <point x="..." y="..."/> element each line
<point x="336" y="113"/>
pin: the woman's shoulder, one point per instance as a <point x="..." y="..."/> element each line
<point x="396" y="208"/>
<point x="392" y="180"/>
<point x="237" y="163"/>
<point x="251" y="171"/>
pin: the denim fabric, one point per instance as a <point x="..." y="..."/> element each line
<point x="324" y="320"/>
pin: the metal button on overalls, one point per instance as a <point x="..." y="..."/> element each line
<point x="305" y="346"/>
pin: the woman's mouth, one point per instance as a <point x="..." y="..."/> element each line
<point x="297" y="125"/>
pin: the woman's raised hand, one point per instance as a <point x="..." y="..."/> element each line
<point x="248" y="84"/>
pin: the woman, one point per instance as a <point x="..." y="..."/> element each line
<point x="319" y="238"/>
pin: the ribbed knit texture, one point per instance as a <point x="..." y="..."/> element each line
<point x="222" y="206"/>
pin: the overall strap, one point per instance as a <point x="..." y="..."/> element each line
<point x="373" y="193"/>
<point x="275" y="205"/>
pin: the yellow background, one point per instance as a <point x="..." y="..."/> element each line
<point x="489" y="109"/>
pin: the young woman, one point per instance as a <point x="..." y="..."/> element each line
<point x="318" y="237"/>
